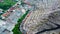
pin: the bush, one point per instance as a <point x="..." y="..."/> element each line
<point x="16" y="29"/>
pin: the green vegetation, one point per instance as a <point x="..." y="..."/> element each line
<point x="16" y="29"/>
<point x="6" y="4"/>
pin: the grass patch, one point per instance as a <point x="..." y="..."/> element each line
<point x="16" y="29"/>
<point x="6" y="4"/>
